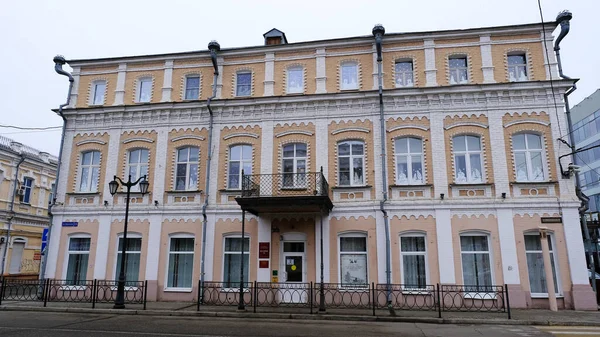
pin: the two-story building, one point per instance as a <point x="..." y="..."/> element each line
<point x="469" y="148"/>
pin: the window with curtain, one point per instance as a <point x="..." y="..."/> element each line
<point x="414" y="261"/>
<point x="295" y="80"/>
<point x="294" y="165"/>
<point x="476" y="264"/>
<point x="404" y="73"/>
<point x="353" y="260"/>
<point x="98" y="90"/>
<point x="409" y="161"/>
<point x="517" y="68"/>
<point x="137" y="165"/>
<point x="243" y="84"/>
<point x="133" y="252"/>
<point x="232" y="261"/>
<point x="240" y="158"/>
<point x="27" y="186"/>
<point x="467" y="159"/>
<point x="181" y="262"/>
<point x="144" y="90"/>
<point x="349" y="76"/>
<point x="89" y="172"/>
<point x="192" y="87"/>
<point x="77" y="265"/>
<point x="535" y="264"/>
<point x="351" y="163"/>
<point x="459" y="72"/>
<point x="529" y="164"/>
<point x="186" y="169"/>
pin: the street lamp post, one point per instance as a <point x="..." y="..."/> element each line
<point x="113" y="186"/>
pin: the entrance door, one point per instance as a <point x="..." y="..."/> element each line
<point x="15" y="257"/>
<point x="295" y="289"/>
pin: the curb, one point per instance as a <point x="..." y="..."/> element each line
<point x="306" y="317"/>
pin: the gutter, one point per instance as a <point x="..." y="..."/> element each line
<point x="12" y="215"/>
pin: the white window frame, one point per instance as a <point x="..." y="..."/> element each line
<point x="527" y="151"/>
<point x="138" y="96"/>
<point x="130" y="235"/>
<point x="180" y="236"/>
<point x="480" y="294"/>
<point x="409" y="155"/>
<point x="351" y="158"/>
<point x="347" y="65"/>
<point x="241" y="162"/>
<point x="295" y="90"/>
<point x="187" y="163"/>
<point x="298" y="179"/>
<point x="235" y="236"/>
<point x="27" y="190"/>
<point x="138" y="166"/>
<point x="404" y="74"/>
<point x="237" y="85"/>
<point x="340" y="253"/>
<point x="90" y="168"/>
<point x="66" y="260"/>
<point x="185" y="90"/>
<point x="551" y="249"/>
<point x="423" y="253"/>
<point x="467" y="153"/>
<point x="94" y="99"/>
<point x="516" y="67"/>
<point x="457" y="70"/>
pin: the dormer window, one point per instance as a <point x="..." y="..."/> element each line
<point x="349" y="76"/>
<point x="243" y="84"/>
<point x="404" y="73"/>
<point x="144" y="90"/>
<point x="98" y="91"/>
<point x="517" y="68"/>
<point x="459" y="72"/>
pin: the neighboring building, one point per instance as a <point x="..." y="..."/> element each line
<point x="471" y="138"/>
<point x="23" y="227"/>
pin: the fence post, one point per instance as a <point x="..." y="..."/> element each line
<point x="255" y="299"/>
<point x="200" y="290"/>
<point x="46" y="292"/>
<point x="507" y="300"/>
<point x="94" y="284"/>
<point x="439" y="301"/>
<point x="374" y="297"/>
<point x="145" y="293"/>
<point x="2" y="282"/>
<point x="310" y="302"/>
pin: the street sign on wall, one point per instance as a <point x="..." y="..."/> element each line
<point x="70" y="224"/>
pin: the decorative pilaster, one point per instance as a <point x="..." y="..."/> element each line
<point x="443" y="224"/>
<point x="440" y="176"/>
<point x="430" y="70"/>
<point x="487" y="65"/>
<point x="120" y="90"/>
<point x="102" y="248"/>
<point x="552" y="61"/>
<point x="321" y="76"/>
<point x="75" y="92"/>
<point x="112" y="160"/>
<point x="499" y="159"/>
<point x="161" y="157"/>
<point x="167" y="88"/>
<point x="269" y="74"/>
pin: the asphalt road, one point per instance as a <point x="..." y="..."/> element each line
<point x="22" y="323"/>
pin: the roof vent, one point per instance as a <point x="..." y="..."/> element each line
<point x="274" y="36"/>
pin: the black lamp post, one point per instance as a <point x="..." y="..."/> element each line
<point x="113" y="186"/>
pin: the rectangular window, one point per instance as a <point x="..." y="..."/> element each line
<point x="99" y="90"/>
<point x="144" y="90"/>
<point x="414" y="261"/>
<point x="79" y="253"/>
<point x="295" y="80"/>
<point x="535" y="264"/>
<point x="351" y="163"/>
<point x="517" y="68"/>
<point x="467" y="159"/>
<point x="404" y="74"/>
<point x="27" y="185"/>
<point x="90" y="170"/>
<point x="133" y="252"/>
<point x="476" y="265"/>
<point x="353" y="260"/>
<point x="137" y="165"/>
<point x="186" y="178"/>
<point x="240" y="158"/>
<point x="192" y="87"/>
<point x="232" y="261"/>
<point x="181" y="263"/>
<point x="243" y="84"/>
<point x="349" y="76"/>
<point x="459" y="73"/>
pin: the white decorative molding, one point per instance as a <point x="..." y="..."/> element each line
<point x="187" y="137"/>
<point x="481" y="125"/>
<point x="335" y="132"/>
<point x="138" y="139"/>
<point x="294" y="132"/>
<point x="469" y="213"/>
<point x="90" y="141"/>
<point x="411" y="126"/>
<point x="535" y="211"/>
<point x="241" y="134"/>
<point x="526" y="121"/>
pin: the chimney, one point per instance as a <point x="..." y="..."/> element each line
<point x="274" y="36"/>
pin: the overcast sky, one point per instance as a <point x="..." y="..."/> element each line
<point x="32" y="32"/>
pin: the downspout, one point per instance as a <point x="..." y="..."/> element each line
<point x="12" y="214"/>
<point x="564" y="19"/>
<point x="378" y="32"/>
<point x="214" y="47"/>
<point x="59" y="61"/>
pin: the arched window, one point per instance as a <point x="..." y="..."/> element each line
<point x="133" y="252"/>
<point x="409" y="161"/>
<point x="528" y="152"/>
<point x="294" y="165"/>
<point x="77" y="260"/>
<point x="181" y="262"/>
<point x="413" y="260"/>
<point x="295" y="80"/>
<point x="467" y="159"/>
<point x="535" y="264"/>
<point x="476" y="261"/>
<point x="351" y="163"/>
<point x="232" y="262"/>
<point x="240" y="158"/>
<point x="137" y="165"/>
<point x="187" y="169"/>
<point x="89" y="171"/>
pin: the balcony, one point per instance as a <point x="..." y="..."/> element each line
<point x="285" y="193"/>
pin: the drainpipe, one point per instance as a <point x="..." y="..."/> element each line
<point x="59" y="61"/>
<point x="12" y="213"/>
<point x="214" y="47"/>
<point x="378" y="32"/>
<point x="564" y="19"/>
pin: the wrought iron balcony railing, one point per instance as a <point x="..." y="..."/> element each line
<point x="284" y="185"/>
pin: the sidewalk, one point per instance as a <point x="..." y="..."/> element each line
<point x="188" y="309"/>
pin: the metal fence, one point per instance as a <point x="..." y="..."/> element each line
<point x="309" y="296"/>
<point x="70" y="291"/>
<point x="285" y="184"/>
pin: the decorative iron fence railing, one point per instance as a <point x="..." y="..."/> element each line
<point x="70" y="291"/>
<point x="435" y="298"/>
<point x="284" y="185"/>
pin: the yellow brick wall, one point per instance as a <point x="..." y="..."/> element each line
<point x="389" y="67"/>
<point x="473" y="63"/>
<point x="124" y="148"/>
<point x="178" y="83"/>
<point x="172" y="154"/>
<point x="408" y="132"/>
<point x="365" y="67"/>
<point x="310" y="70"/>
<point x="76" y="157"/>
<point x="279" y="142"/>
<point x="534" y="52"/>
<point x="131" y="80"/>
<point x="86" y="91"/>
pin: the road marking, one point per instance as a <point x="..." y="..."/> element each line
<point x="571" y="330"/>
<point x="128" y="333"/>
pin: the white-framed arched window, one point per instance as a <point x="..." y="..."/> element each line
<point x="351" y="163"/>
<point x="467" y="159"/>
<point x="180" y="262"/>
<point x="529" y="157"/>
<point x="137" y="164"/>
<point x="538" y="283"/>
<point x="409" y="161"/>
<point x="413" y="260"/>
<point x="186" y="168"/>
<point x="133" y="252"/>
<point x="294" y="165"/>
<point x="476" y="261"/>
<point x="353" y="257"/>
<point x="240" y="159"/>
<point x="295" y="80"/>
<point x="89" y="171"/>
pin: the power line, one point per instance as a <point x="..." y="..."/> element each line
<point x="30" y="131"/>
<point x="28" y="128"/>
<point x="582" y="125"/>
<point x="591" y="169"/>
